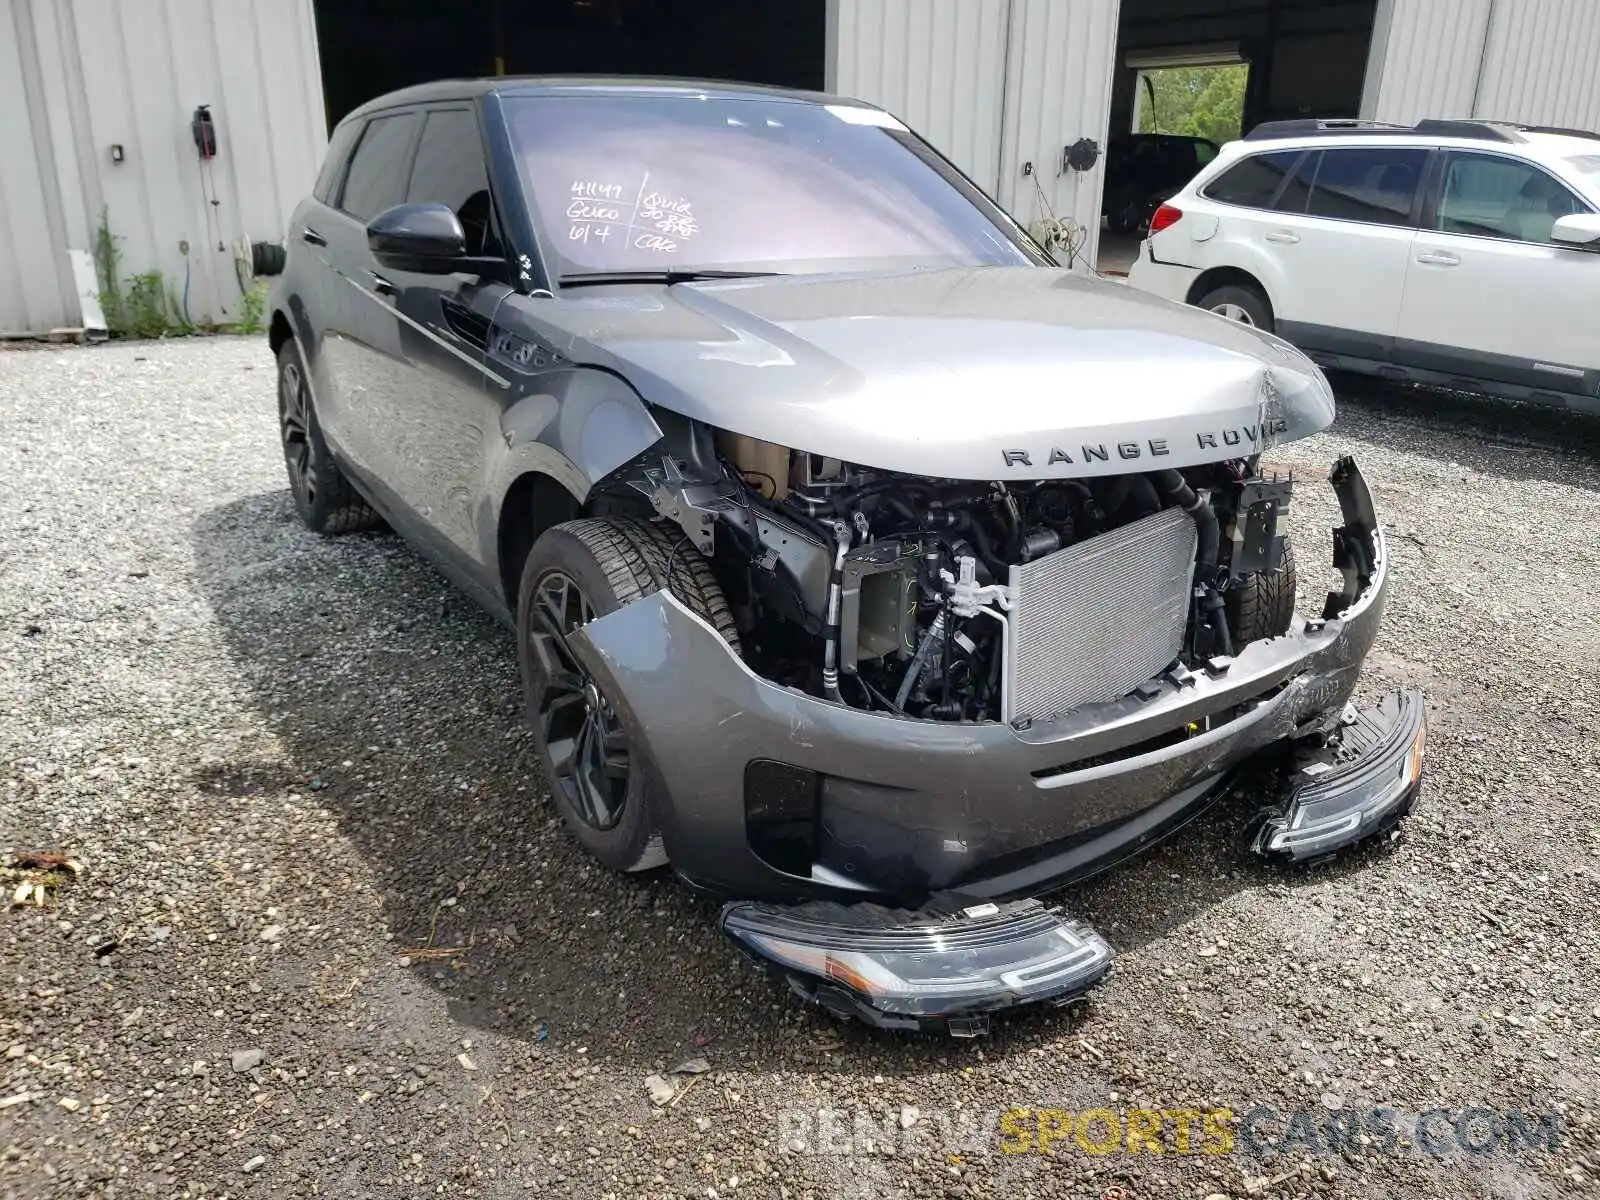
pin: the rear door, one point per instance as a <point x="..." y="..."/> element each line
<point x="1339" y="240"/>
<point x="1488" y="294"/>
<point x="444" y="420"/>
<point x="310" y="284"/>
<point x="365" y="362"/>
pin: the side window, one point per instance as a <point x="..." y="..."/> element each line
<point x="449" y="170"/>
<point x="377" y="176"/>
<point x="333" y="164"/>
<point x="1204" y="152"/>
<point x="1373" y="184"/>
<point x="1254" y="181"/>
<point x="1297" y="191"/>
<point x="1487" y="195"/>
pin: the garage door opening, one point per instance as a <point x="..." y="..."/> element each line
<point x="369" y="47"/>
<point x="1206" y="60"/>
<point x="1192" y="101"/>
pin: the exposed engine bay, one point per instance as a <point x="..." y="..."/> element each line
<point x="955" y="600"/>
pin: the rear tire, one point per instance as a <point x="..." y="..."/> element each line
<point x="322" y="495"/>
<point x="1262" y="605"/>
<point x="1239" y="302"/>
<point x="602" y="785"/>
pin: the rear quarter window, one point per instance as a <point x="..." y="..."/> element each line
<point x="1253" y="182"/>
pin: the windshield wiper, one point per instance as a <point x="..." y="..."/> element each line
<point x="590" y="278"/>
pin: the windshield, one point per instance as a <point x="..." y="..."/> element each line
<point x="687" y="183"/>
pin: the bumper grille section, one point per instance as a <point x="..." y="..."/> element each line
<point x="1092" y="622"/>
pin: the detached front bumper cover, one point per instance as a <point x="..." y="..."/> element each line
<point x="926" y="969"/>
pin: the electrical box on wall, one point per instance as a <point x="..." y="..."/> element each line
<point x="204" y="130"/>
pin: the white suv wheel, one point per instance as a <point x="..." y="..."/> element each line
<point x="1234" y="312"/>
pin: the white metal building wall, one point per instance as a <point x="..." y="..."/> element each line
<point x="1058" y="90"/>
<point x="937" y="65"/>
<point x="1515" y="60"/>
<point x="91" y="74"/>
<point x="994" y="84"/>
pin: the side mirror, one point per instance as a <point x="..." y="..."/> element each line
<point x="426" y="238"/>
<point x="1579" y="230"/>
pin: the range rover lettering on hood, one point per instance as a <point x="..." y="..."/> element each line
<point x="1156" y="447"/>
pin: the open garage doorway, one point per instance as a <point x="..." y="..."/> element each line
<point x="369" y="47"/>
<point x="1221" y="67"/>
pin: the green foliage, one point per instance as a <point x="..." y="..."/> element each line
<point x="107" y="265"/>
<point x="144" y="308"/>
<point x="253" y="309"/>
<point x="141" y="306"/>
<point x="1203" y="102"/>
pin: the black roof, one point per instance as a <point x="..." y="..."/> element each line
<point x="533" y="85"/>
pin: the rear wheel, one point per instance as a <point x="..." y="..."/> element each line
<point x="576" y="572"/>
<point x="322" y="495"/>
<point x="1262" y="605"/>
<point x="1239" y="302"/>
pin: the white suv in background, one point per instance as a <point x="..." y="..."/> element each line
<point x="1461" y="253"/>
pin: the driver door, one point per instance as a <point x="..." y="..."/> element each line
<point x="443" y="420"/>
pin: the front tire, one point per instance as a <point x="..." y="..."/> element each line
<point x="1262" y="605"/>
<point x="603" y="785"/>
<point x="322" y="495"/>
<point x="1241" y="303"/>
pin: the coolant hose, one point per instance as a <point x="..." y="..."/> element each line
<point x="1175" y="489"/>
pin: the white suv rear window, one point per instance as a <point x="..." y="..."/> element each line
<point x="1253" y="182"/>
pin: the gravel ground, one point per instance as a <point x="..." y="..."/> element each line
<point x="329" y="937"/>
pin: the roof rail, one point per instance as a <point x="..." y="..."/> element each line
<point x="1490" y="131"/>
<point x="1306" y="126"/>
<point x="1476" y="130"/>
<point x="1559" y="131"/>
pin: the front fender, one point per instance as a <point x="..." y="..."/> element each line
<point x="577" y="425"/>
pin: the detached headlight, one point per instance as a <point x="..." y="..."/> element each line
<point x="1367" y="777"/>
<point x="906" y="969"/>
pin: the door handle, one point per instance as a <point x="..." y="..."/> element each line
<point x="1286" y="236"/>
<point x="380" y="285"/>
<point x="311" y="237"/>
<point x="1439" y="258"/>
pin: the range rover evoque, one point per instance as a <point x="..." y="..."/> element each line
<point x="870" y="569"/>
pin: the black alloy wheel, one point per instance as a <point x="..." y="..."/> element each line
<point x="588" y="749"/>
<point x="324" y="498"/>
<point x="299" y="449"/>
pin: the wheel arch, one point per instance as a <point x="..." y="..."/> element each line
<point x="532" y="504"/>
<point x="279" y="331"/>
<point x="1216" y="277"/>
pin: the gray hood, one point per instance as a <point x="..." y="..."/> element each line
<point x="972" y="373"/>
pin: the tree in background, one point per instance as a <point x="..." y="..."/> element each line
<point x="1203" y="102"/>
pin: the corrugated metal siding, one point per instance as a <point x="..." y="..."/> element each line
<point x="1058" y="89"/>
<point x="936" y="64"/>
<point x="1430" y="61"/>
<point x="993" y="84"/>
<point x="35" y="294"/>
<point x="117" y="73"/>
<point x="1543" y="63"/>
<point x="1515" y="60"/>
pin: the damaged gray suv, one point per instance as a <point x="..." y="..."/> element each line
<point x="868" y="568"/>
